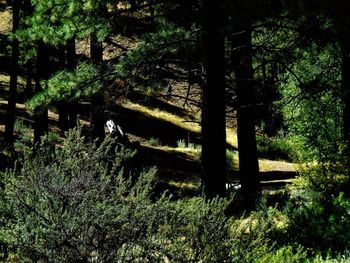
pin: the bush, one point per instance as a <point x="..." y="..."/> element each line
<point x="154" y="141"/>
<point x="318" y="223"/>
<point x="85" y="203"/>
<point x="284" y="254"/>
<point x="274" y="148"/>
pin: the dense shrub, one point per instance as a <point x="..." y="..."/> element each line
<point x="318" y="210"/>
<point x="77" y="203"/>
<point x="278" y="147"/>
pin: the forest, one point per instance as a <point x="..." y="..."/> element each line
<point x="174" y="131"/>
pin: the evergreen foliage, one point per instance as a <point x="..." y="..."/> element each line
<point x="312" y="106"/>
<point x="145" y="63"/>
<point x="80" y="202"/>
<point x="65" y="85"/>
<point x="56" y="21"/>
<point x="74" y="201"/>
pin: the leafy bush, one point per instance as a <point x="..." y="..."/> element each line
<point x="183" y="144"/>
<point x="312" y="106"/>
<point x="154" y="141"/>
<point x="84" y="203"/>
<point x="274" y="148"/>
<point x="318" y="223"/>
<point x="284" y="254"/>
<point x="230" y="159"/>
<point x="326" y="179"/>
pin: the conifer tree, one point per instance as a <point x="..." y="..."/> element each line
<point x="246" y="111"/>
<point x="40" y="112"/>
<point x="96" y="107"/>
<point x="213" y="158"/>
<point x="11" y="110"/>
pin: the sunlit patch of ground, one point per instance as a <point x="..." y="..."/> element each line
<point x="18" y="105"/>
<point x="231" y="137"/>
<point x="187" y="124"/>
<point x="5" y="22"/>
<point x="179" y="166"/>
<point x="268" y="165"/>
<point x="165" y="116"/>
<point x="5" y="82"/>
<point x="193" y="152"/>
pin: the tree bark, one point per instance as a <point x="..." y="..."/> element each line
<point x="213" y="123"/>
<point x="273" y="120"/>
<point x="40" y="113"/>
<point x="71" y="64"/>
<point x="62" y="106"/>
<point x="29" y="79"/>
<point x="246" y="112"/>
<point x="11" y="109"/>
<point x="96" y="108"/>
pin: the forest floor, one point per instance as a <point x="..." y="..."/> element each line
<point x="167" y="140"/>
<point x="166" y="132"/>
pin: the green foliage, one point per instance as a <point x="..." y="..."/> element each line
<point x="154" y="141"/>
<point x="343" y="257"/>
<point x="23" y="141"/>
<point x="319" y="221"/>
<point x="325" y="179"/>
<point x="312" y="105"/>
<point x="56" y="21"/>
<point x="144" y="63"/>
<point x="284" y="254"/>
<point x="84" y="81"/>
<point x="275" y="148"/>
<point x="183" y="144"/>
<point x="84" y="202"/>
<point x="230" y="155"/>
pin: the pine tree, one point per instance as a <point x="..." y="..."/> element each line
<point x="11" y="110"/>
<point x="40" y="112"/>
<point x="246" y="111"/>
<point x="213" y="158"/>
<point x="97" y="103"/>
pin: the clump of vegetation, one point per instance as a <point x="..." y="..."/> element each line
<point x="154" y="141"/>
<point x="183" y="144"/>
<point x="83" y="202"/>
<point x="278" y="147"/>
<point x="319" y="209"/>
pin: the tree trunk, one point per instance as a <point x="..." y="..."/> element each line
<point x="62" y="106"/>
<point x="11" y="109"/>
<point x="96" y="108"/>
<point x="71" y="64"/>
<point x="246" y="112"/>
<point x="213" y="103"/>
<point x="40" y="113"/>
<point x="29" y="79"/>
<point x="272" y="119"/>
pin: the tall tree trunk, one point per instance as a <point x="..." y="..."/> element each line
<point x="29" y="79"/>
<point x="27" y="10"/>
<point x="11" y="109"/>
<point x="246" y="112"/>
<point x="272" y="119"/>
<point x="71" y="64"/>
<point x="62" y="106"/>
<point x="40" y="113"/>
<point x="96" y="108"/>
<point x="213" y="103"/>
